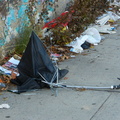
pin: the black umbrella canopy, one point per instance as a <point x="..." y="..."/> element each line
<point x="35" y="58"/>
<point x="35" y="65"/>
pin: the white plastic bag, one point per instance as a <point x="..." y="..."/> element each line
<point x="93" y="35"/>
<point x="113" y="16"/>
<point x="4" y="106"/>
<point x="103" y="21"/>
<point x="105" y="29"/>
<point x="109" y="15"/>
<point x="77" y="45"/>
<point x="90" y="39"/>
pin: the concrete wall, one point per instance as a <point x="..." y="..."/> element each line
<point x="13" y="18"/>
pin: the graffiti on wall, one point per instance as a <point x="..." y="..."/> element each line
<point x="13" y="17"/>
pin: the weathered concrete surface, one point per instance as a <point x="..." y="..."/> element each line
<point x="99" y="68"/>
<point x="13" y="19"/>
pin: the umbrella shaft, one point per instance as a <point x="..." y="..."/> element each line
<point x="81" y="87"/>
<point x="88" y="87"/>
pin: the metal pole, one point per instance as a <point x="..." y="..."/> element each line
<point x="86" y="87"/>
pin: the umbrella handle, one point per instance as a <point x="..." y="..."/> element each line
<point x="116" y="87"/>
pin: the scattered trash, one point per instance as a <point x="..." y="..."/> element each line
<point x="86" y="45"/>
<point x="103" y="21"/>
<point x="62" y="20"/>
<point x="14" y="61"/>
<point x="61" y="49"/>
<point x="55" y="55"/>
<point x="5" y="71"/>
<point x="17" y="58"/>
<point x="91" y="35"/>
<point x="111" y="29"/>
<point x="54" y="59"/>
<point x="76" y="50"/>
<point x="106" y="29"/>
<point x="72" y="56"/>
<point x="9" y="66"/>
<point x="5" y="98"/>
<point x="2" y="85"/>
<point x="4" y="106"/>
<point x="114" y="3"/>
<point x="30" y="69"/>
<point x="111" y="21"/>
<point x="77" y="44"/>
<point x="65" y="78"/>
<point x="8" y="71"/>
<point x="64" y="57"/>
<point x="109" y="16"/>
<point x="93" y="32"/>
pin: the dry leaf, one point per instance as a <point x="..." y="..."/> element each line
<point x="13" y="75"/>
<point x="5" y="98"/>
<point x="1" y="80"/>
<point x="65" y="78"/>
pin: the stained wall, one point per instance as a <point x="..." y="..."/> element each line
<point x="14" y="17"/>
